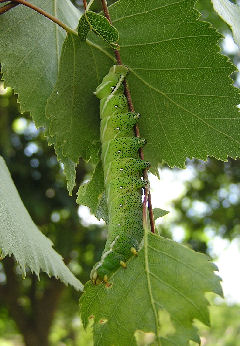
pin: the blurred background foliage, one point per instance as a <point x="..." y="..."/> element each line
<point x="45" y="312"/>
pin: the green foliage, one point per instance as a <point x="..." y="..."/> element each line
<point x="182" y="116"/>
<point x="175" y="69"/>
<point x="20" y="236"/>
<point x="175" y="61"/>
<point x="69" y="170"/>
<point x="30" y="52"/>
<point x="164" y="277"/>
<point x="168" y="82"/>
<point x="40" y="182"/>
<point x="157" y="212"/>
<point x="100" y="25"/>
<point x="171" y="119"/>
<point x="72" y="107"/>
<point x="91" y="193"/>
<point x="176" y="125"/>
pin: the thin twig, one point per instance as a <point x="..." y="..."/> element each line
<point x="85" y="4"/>
<point x="147" y="195"/>
<point x="150" y="209"/>
<point x="7" y="7"/>
<point x="116" y="52"/>
<point x="45" y="14"/>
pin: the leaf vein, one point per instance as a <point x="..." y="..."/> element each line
<point x="166" y="40"/>
<point x="146" y="12"/>
<point x="190" y="301"/>
<point x="177" y="260"/>
<point x="184" y="109"/>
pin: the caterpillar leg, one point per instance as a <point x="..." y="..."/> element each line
<point x="134" y="251"/>
<point x="123" y="264"/>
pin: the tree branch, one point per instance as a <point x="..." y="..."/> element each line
<point x="46" y="305"/>
<point x="11" y="294"/>
<point x="147" y="195"/>
<point x="7" y="7"/>
<point x="45" y="14"/>
<point x="85" y="4"/>
<point x="34" y="325"/>
<point x="32" y="292"/>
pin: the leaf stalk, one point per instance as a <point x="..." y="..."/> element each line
<point x="7" y="7"/>
<point x="42" y="12"/>
<point x="85" y="4"/>
<point x="89" y="5"/>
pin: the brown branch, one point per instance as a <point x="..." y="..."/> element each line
<point x="150" y="210"/>
<point x="116" y="52"/>
<point x="85" y="4"/>
<point x="32" y="291"/>
<point x="45" y="14"/>
<point x="7" y="7"/>
<point x="33" y="323"/>
<point x="47" y="304"/>
<point x="147" y="195"/>
<point x="11" y="295"/>
<point x="105" y="10"/>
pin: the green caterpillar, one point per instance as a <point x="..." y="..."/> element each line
<point x="122" y="174"/>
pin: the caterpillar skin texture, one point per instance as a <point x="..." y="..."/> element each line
<point x="122" y="174"/>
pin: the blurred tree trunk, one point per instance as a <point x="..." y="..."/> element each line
<point x="34" y="321"/>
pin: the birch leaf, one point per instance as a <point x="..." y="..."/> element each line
<point x="20" y="237"/>
<point x="166" y="279"/>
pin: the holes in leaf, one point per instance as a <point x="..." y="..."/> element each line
<point x="103" y="321"/>
<point x="108" y="284"/>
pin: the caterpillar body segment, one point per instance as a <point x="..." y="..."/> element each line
<point x="123" y="172"/>
<point x="125" y="167"/>
<point x="118" y="125"/>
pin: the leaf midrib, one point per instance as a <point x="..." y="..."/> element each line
<point x="56" y="33"/>
<point x="147" y="271"/>
<point x="146" y="12"/>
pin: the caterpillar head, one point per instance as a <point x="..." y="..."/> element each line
<point x="112" y="82"/>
